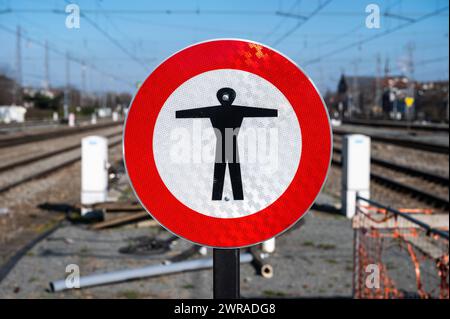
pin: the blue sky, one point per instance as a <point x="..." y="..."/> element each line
<point x="150" y="33"/>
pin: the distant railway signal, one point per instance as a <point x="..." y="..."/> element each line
<point x="409" y="101"/>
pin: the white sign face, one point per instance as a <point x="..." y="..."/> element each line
<point x="185" y="147"/>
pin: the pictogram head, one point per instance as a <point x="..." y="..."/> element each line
<point x="226" y="96"/>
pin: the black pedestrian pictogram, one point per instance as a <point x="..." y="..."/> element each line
<point x="226" y="120"/>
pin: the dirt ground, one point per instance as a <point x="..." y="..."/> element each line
<point x="314" y="260"/>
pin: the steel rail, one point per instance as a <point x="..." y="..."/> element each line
<point x="401" y="125"/>
<point x="48" y="171"/>
<point x="405" y="169"/>
<point x="423" y="196"/>
<point x="28" y="138"/>
<point x="430" y="147"/>
<point x="45" y="155"/>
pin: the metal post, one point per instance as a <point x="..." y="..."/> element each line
<point x="67" y="88"/>
<point x="226" y="274"/>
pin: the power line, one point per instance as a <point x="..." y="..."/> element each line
<point x="290" y="15"/>
<point x="74" y="59"/>
<point x="114" y="41"/>
<point x="433" y="60"/>
<point x="425" y="62"/>
<point x="67" y="88"/>
<point x="111" y="38"/>
<point x="299" y="24"/>
<point x="46" y="66"/>
<point x="118" y="30"/>
<point x="18" y="82"/>
<point x="265" y="35"/>
<point x="376" y="36"/>
<point x="335" y="39"/>
<point x="270" y="33"/>
<point x="187" y="12"/>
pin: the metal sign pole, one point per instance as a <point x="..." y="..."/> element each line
<point x="226" y="274"/>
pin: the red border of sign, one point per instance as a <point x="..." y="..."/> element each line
<point x="306" y="184"/>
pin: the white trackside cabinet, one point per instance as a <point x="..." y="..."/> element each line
<point x="71" y="120"/>
<point x="94" y="170"/>
<point x="355" y="171"/>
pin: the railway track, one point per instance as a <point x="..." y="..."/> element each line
<point x="426" y="196"/>
<point x="442" y="180"/>
<point x="39" y="123"/>
<point x="64" y="157"/>
<point x="67" y="131"/>
<point x="400" y="125"/>
<point x="429" y="147"/>
<point x="15" y="127"/>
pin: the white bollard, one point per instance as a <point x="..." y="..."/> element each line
<point x="71" y="119"/>
<point x="268" y="246"/>
<point x="55" y="116"/>
<point x="355" y="171"/>
<point x="94" y="171"/>
<point x="115" y="116"/>
<point x="93" y="119"/>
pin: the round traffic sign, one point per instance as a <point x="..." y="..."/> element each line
<point x="227" y="143"/>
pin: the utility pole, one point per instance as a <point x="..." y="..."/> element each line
<point x="392" y="96"/>
<point x="83" y="82"/>
<point x="378" y="91"/>
<point x="46" y="67"/>
<point x="447" y="112"/>
<point x="67" y="88"/>
<point x="387" y="68"/>
<point x="18" y="81"/>
<point x="355" y="90"/>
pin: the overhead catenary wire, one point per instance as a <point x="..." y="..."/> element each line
<point x="102" y="31"/>
<point x="136" y="12"/>
<point x="72" y="58"/>
<point x="79" y="61"/>
<point x="302" y="22"/>
<point x="170" y="11"/>
<point x="279" y="24"/>
<point x="374" y="37"/>
<point x="114" y="41"/>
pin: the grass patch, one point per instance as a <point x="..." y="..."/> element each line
<point x="331" y="261"/>
<point x="126" y="194"/>
<point x="84" y="250"/>
<point x="326" y="246"/>
<point x="129" y="294"/>
<point x="272" y="293"/>
<point x="188" y="286"/>
<point x="308" y="244"/>
<point x="42" y="228"/>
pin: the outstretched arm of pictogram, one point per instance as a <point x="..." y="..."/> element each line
<point x="257" y="111"/>
<point x="201" y="112"/>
